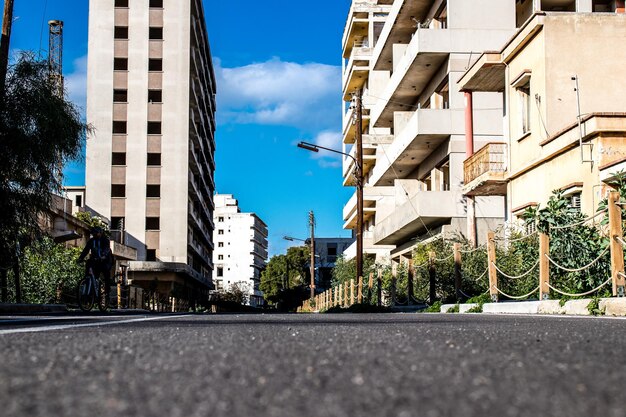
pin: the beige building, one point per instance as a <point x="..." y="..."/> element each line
<point x="559" y="68"/>
<point x="150" y="159"/>
<point x="241" y="248"/>
<point x="407" y="57"/>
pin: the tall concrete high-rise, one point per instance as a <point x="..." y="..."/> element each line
<point x="150" y="158"/>
<point x="241" y="251"/>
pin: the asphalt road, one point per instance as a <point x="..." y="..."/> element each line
<point x="313" y="365"/>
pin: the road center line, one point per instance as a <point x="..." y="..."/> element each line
<point x="75" y="326"/>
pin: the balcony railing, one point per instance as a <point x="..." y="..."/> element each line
<point x="490" y="158"/>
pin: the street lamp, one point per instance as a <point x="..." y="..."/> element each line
<point x="359" y="200"/>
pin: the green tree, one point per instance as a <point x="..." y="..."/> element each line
<point x="39" y="132"/>
<point x="93" y="221"/>
<point x="285" y="272"/>
<point x="49" y="272"/>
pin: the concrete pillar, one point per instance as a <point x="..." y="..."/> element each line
<point x="436" y="180"/>
<point x="584" y="6"/>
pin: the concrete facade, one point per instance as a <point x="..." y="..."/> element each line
<point x="327" y="250"/>
<point x="150" y="159"/>
<point x="241" y="248"/>
<point x="537" y="70"/>
<point x="414" y="118"/>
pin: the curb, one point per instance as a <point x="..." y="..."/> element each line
<point x="6" y="308"/>
<point x="614" y="307"/>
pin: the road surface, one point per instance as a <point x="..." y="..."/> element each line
<point x="313" y="365"/>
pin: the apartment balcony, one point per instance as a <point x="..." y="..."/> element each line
<point x="371" y="195"/>
<point x="356" y="71"/>
<point x="424" y="131"/>
<point x="412" y="216"/>
<point x="486" y="171"/>
<point x="349" y="127"/>
<point x="368" y="247"/>
<point x="356" y="29"/>
<point x="422" y="59"/>
<point x="357" y="25"/>
<point x="399" y="27"/>
<point x="349" y="167"/>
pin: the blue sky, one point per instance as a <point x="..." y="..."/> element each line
<point x="279" y="81"/>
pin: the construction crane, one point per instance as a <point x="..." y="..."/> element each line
<point x="55" y="55"/>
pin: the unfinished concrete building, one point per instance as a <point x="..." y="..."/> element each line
<point x="414" y="123"/>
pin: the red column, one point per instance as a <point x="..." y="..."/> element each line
<point x="469" y="125"/>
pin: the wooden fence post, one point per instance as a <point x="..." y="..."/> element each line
<point x="410" y="277"/>
<point x="346" y="294"/>
<point x="370" y="287"/>
<point x="457" y="272"/>
<point x="351" y="291"/>
<point x="394" y="276"/>
<point x="617" y="249"/>
<point x="432" y="277"/>
<point x="379" y="289"/>
<point x="491" y="261"/>
<point x="360" y="291"/>
<point x="544" y="266"/>
<point x="340" y="295"/>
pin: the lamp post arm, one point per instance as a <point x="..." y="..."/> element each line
<point x="356" y="163"/>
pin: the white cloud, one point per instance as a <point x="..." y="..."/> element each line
<point x="274" y="92"/>
<point x="76" y="83"/>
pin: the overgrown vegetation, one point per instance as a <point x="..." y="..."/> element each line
<point x="286" y="278"/>
<point x="49" y="273"/>
<point x="39" y="132"/>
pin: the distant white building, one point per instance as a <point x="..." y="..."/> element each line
<point x="240" y="248"/>
<point x="327" y="250"/>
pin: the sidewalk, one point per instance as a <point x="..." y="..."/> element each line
<point x="7" y="308"/>
<point x="615" y="307"/>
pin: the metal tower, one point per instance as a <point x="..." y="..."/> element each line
<point x="55" y="54"/>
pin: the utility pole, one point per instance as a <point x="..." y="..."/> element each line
<point x="7" y="23"/>
<point x="358" y="139"/>
<point x="312" y="248"/>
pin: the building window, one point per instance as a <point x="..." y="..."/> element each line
<point x="121" y="3"/>
<point x="220" y="232"/>
<point x="120" y="64"/>
<point x="151" y="255"/>
<point x="117" y="223"/>
<point x="153" y="191"/>
<point x="220" y="244"/>
<point x="79" y="201"/>
<point x="120" y="96"/>
<point x="522" y="87"/>
<point x="120" y="32"/>
<point x="118" y="158"/>
<point x="154" y="128"/>
<point x="155" y="34"/>
<point x="607" y="6"/>
<point x="156" y="4"/>
<point x="154" y="159"/>
<point x="153" y="223"/>
<point x="155" y="64"/>
<point x="220" y="257"/>
<point x="119" y="128"/>
<point x="220" y="271"/>
<point x="575" y="201"/>
<point x="155" y="96"/>
<point x="220" y="219"/>
<point x="118" y="190"/>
